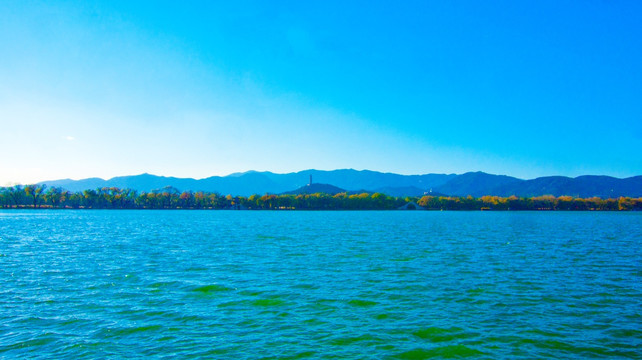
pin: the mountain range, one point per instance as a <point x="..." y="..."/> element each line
<point x="471" y="183"/>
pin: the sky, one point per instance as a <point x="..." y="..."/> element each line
<point x="521" y="88"/>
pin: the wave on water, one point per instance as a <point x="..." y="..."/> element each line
<point x="322" y="285"/>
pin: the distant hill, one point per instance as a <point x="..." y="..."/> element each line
<point x="475" y="184"/>
<point x="472" y="183"/>
<point x="316" y="188"/>
<point x="582" y="186"/>
<point x="406" y="191"/>
<point x="253" y="182"/>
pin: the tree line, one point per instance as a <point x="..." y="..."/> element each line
<point x="41" y="196"/>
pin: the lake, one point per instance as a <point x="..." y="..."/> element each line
<point x="320" y="285"/>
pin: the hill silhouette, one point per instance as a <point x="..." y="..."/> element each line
<point x="348" y="180"/>
<point x="316" y="188"/>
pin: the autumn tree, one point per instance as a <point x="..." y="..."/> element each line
<point x="35" y="191"/>
<point x="16" y="194"/>
<point x="186" y="199"/>
<point x="53" y="195"/>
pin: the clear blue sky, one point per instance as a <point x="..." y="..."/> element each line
<point x="508" y="87"/>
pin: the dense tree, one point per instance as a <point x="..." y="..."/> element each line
<point x="34" y="191"/>
<point x="90" y="199"/>
<point x="53" y="196"/>
<point x="186" y="199"/>
<point x="5" y="199"/>
<point x="35" y="196"/>
<point x="16" y="194"/>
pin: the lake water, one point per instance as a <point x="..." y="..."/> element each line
<point x="352" y="285"/>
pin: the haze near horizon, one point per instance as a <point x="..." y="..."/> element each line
<point x="105" y="89"/>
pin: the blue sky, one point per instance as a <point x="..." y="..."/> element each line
<point x="528" y="89"/>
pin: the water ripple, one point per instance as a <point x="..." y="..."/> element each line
<point x="320" y="285"/>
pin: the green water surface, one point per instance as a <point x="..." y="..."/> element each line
<point x="320" y="285"/>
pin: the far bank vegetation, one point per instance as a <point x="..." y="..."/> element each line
<point x="40" y="196"/>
